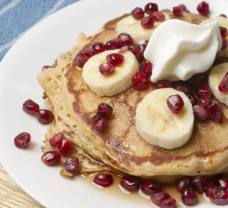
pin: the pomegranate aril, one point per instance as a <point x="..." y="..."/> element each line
<point x="199" y="184"/>
<point x="31" y="107"/>
<point x="130" y="183"/>
<point x="181" y="86"/>
<point x="158" y="16"/>
<point x="140" y="81"/>
<point x="112" y="44"/>
<point x="80" y="60"/>
<point x="137" y="13"/>
<point x="65" y="147"/>
<point x="150" y="187"/>
<point x="203" y="8"/>
<point x="182" y="7"/>
<point x="56" y="140"/>
<point x="189" y="197"/>
<point x="177" y="11"/>
<point x="150" y="8"/>
<point x="200" y="112"/>
<point x="106" y="69"/>
<point x="72" y="165"/>
<point x="204" y="94"/>
<point x="215" y="112"/>
<point x="45" y="116"/>
<point x="223" y="86"/>
<point x="98" y="47"/>
<point x="157" y="198"/>
<point x="115" y="59"/>
<point x="223" y="32"/>
<point x="124" y="39"/>
<point x="224" y="44"/>
<point x="104" y="180"/>
<point x="168" y="203"/>
<point x="211" y="188"/>
<point x="99" y="123"/>
<point x="175" y="103"/>
<point x="183" y="184"/>
<point x="192" y="98"/>
<point x="163" y="84"/>
<point x="223" y="182"/>
<point x="104" y="110"/>
<point x="147" y="22"/>
<point x="220" y="196"/>
<point x="22" y="140"/>
<point x="146" y="67"/>
<point x="51" y="158"/>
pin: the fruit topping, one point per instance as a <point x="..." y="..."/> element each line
<point x="124" y="39"/>
<point x="56" y="140"/>
<point x="22" y="140"/>
<point x="177" y="11"/>
<point x="146" y="67"/>
<point x="163" y="84"/>
<point x="140" y="81"/>
<point x="189" y="197"/>
<point x="137" y="13"/>
<point x="72" y="165"/>
<point x="98" y="47"/>
<point x="99" y="123"/>
<point x="31" y="107"/>
<point x="200" y="113"/>
<point x="104" y="110"/>
<point x="130" y="183"/>
<point x="215" y="112"/>
<point x="115" y="59"/>
<point x="183" y="184"/>
<point x="175" y="103"/>
<point x="103" y="180"/>
<point x="147" y="22"/>
<point x="45" y="116"/>
<point x="158" y="16"/>
<point x="223" y="86"/>
<point x="203" y="8"/>
<point x="163" y="200"/>
<point x="106" y="69"/>
<point x="150" y="8"/>
<point x="150" y="187"/>
<point x="51" y="158"/>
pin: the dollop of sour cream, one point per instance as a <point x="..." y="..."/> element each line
<point x="178" y="49"/>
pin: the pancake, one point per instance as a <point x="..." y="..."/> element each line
<point x="121" y="147"/>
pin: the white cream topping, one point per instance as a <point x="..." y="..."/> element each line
<point x="178" y="49"/>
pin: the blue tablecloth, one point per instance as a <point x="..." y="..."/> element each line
<point x="16" y="16"/>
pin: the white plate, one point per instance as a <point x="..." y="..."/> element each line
<point x="19" y="68"/>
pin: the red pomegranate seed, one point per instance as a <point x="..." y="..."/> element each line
<point x="204" y="94"/>
<point x="124" y="39"/>
<point x="175" y="103"/>
<point x="104" y="180"/>
<point x="146" y="67"/>
<point x="22" y="140"/>
<point x="56" y="140"/>
<point x="182" y="86"/>
<point x="199" y="184"/>
<point x="223" y="15"/>
<point x="140" y="81"/>
<point x="215" y="112"/>
<point x="112" y="44"/>
<point x="158" y="16"/>
<point x="31" y="107"/>
<point x="80" y="60"/>
<point x="203" y="8"/>
<point x="150" y="8"/>
<point x="98" y="47"/>
<point x="159" y="197"/>
<point x="189" y="197"/>
<point x="168" y="203"/>
<point x="223" y="86"/>
<point x="130" y="183"/>
<point x="104" y="110"/>
<point x="223" y="182"/>
<point x="72" y="165"/>
<point x="223" y="32"/>
<point x="137" y="13"/>
<point x="138" y="51"/>
<point x="224" y="44"/>
<point x="99" y="123"/>
<point x="147" y="22"/>
<point x="45" y="116"/>
<point x="220" y="196"/>
<point x="200" y="113"/>
<point x="177" y="11"/>
<point x="183" y="7"/>
<point x="150" y="188"/>
<point x="211" y="189"/>
<point x="183" y="184"/>
<point x="163" y="84"/>
<point x="51" y="158"/>
<point x="115" y="59"/>
<point x="106" y="69"/>
<point x="192" y="98"/>
<point x="65" y="147"/>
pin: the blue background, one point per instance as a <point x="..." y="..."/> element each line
<point x="16" y="16"/>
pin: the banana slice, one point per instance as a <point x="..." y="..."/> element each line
<point x="134" y="28"/>
<point x="115" y="83"/>
<point x="158" y="125"/>
<point x="216" y="75"/>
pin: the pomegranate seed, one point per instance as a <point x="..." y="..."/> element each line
<point x="175" y="103"/>
<point x="215" y="112"/>
<point x="146" y="67"/>
<point x="189" y="197"/>
<point x="224" y="44"/>
<point x="223" y="182"/>
<point x="168" y="203"/>
<point x="223" y="15"/>
<point x="182" y="7"/>
<point x="150" y="188"/>
<point x="72" y="165"/>
<point x="203" y="8"/>
<point x="177" y="11"/>
<point x="80" y="60"/>
<point x="99" y="123"/>
<point x="200" y="113"/>
<point x="223" y="32"/>
<point x="192" y="98"/>
<point x="98" y="47"/>
<point x="138" y="51"/>
<point x="140" y="81"/>
<point x="112" y="44"/>
<point x="205" y="95"/>
<point x="183" y="184"/>
<point x="31" y="107"/>
<point x="56" y="140"/>
<point x="223" y="86"/>
<point x="104" y="110"/>
<point x="220" y="197"/>
<point x="182" y="86"/>
<point x="130" y="184"/>
<point x="137" y="13"/>
<point x="115" y="59"/>
<point x="45" y="116"/>
<point x="159" y="197"/>
<point x="51" y="158"/>
<point x="150" y="8"/>
<point x="147" y="22"/>
<point x="158" y="16"/>
<point x="124" y="39"/>
<point x="22" y="140"/>
<point x="65" y="147"/>
<point x="163" y="84"/>
<point x="199" y="184"/>
<point x="104" y="180"/>
<point x="106" y="69"/>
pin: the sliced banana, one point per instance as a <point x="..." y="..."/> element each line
<point x="216" y="75"/>
<point x="112" y="84"/>
<point x="134" y="28"/>
<point x="158" y="125"/>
